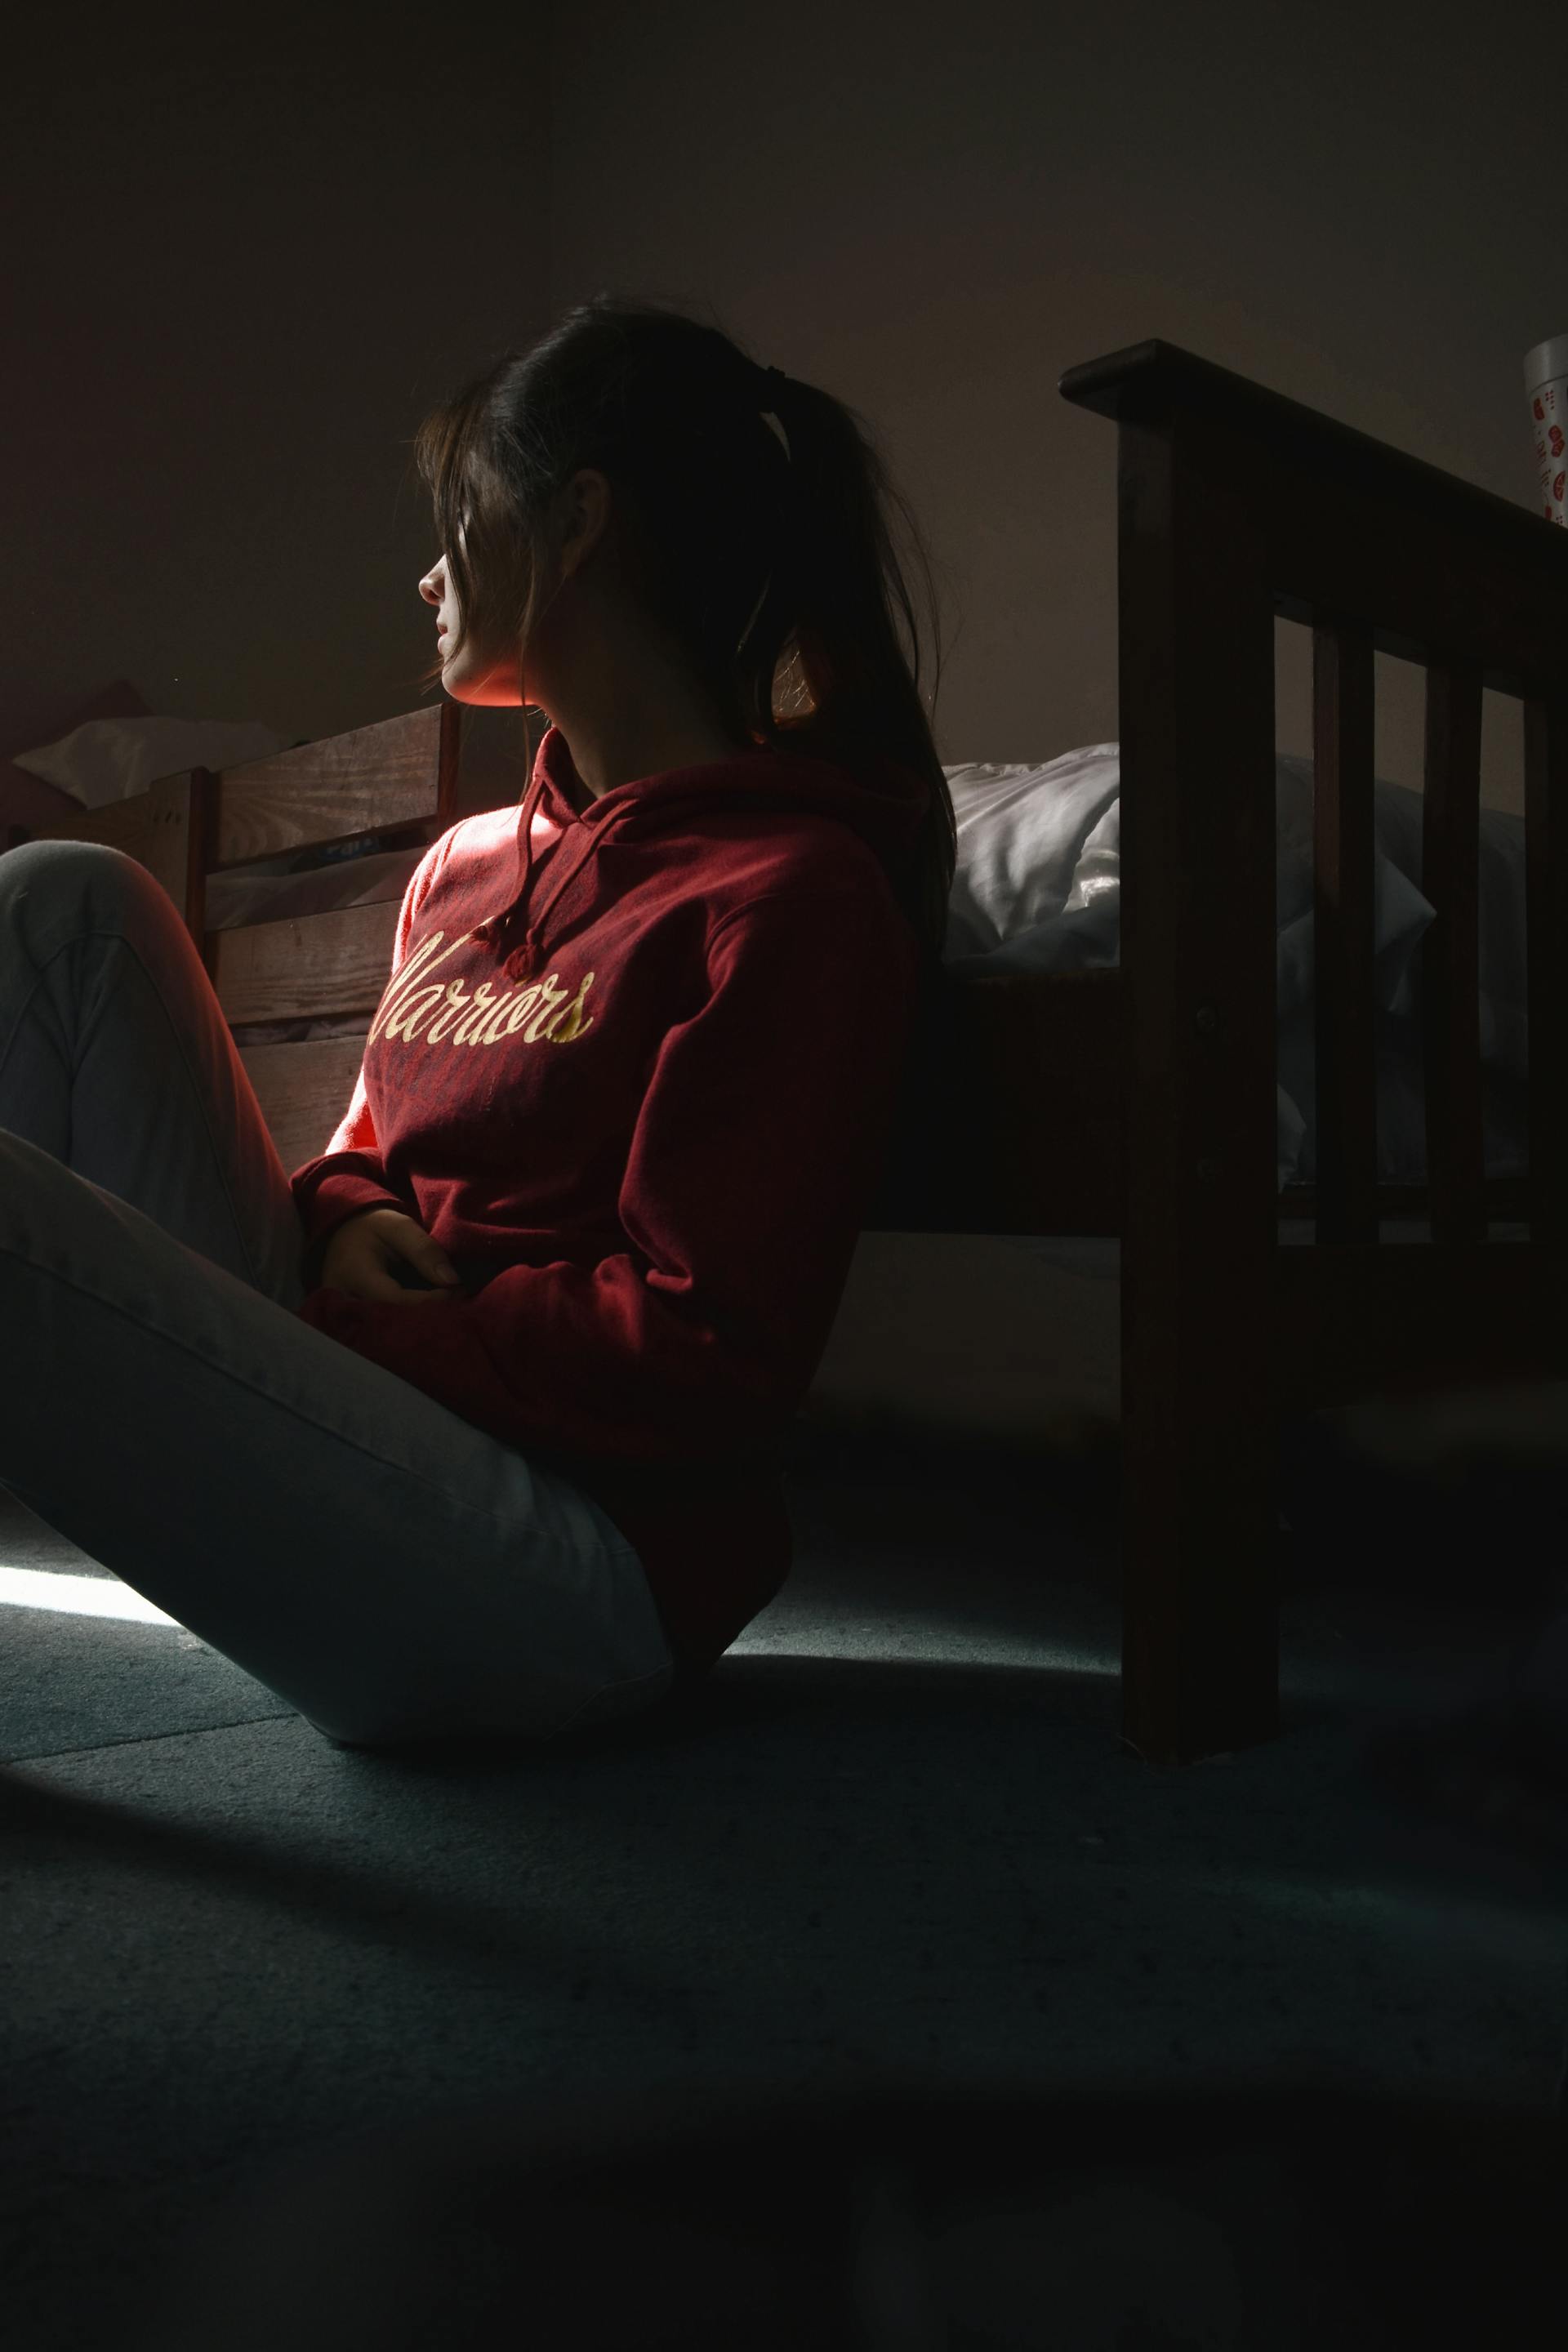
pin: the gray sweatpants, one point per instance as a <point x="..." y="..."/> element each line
<point x="389" y="1569"/>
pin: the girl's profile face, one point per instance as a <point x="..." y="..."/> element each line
<point x="465" y="676"/>
<point x="439" y="589"/>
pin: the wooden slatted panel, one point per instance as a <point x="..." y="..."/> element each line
<point x="303" y="1091"/>
<point x="1546" y="937"/>
<point x="306" y="967"/>
<point x="402" y="770"/>
<point x="399" y="772"/>
<point x="1450" y="970"/>
<point x="1342" y="716"/>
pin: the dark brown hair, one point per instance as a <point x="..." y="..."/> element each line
<point x="768" y="561"/>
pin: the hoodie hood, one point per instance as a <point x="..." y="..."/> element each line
<point x="881" y="801"/>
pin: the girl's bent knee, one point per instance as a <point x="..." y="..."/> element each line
<point x="72" y="866"/>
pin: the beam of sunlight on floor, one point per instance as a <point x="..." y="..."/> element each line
<point x="77" y="1596"/>
<point x="932" y="1642"/>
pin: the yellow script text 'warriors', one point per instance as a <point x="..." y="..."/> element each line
<point x="458" y="1016"/>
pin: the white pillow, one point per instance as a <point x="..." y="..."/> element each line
<point x="1038" y="882"/>
<point x="114" y="758"/>
<point x="1024" y="830"/>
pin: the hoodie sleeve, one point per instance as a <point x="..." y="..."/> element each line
<point x="759" y="1142"/>
<point x="349" y="1176"/>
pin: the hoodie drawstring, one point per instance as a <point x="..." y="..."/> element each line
<point x="798" y="782"/>
<point x="521" y="963"/>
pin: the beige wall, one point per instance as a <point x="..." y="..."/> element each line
<point x="242" y="266"/>
<point x="934" y="212"/>
<point x="243" y="263"/>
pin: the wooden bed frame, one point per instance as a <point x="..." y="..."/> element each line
<point x="1141" y="1102"/>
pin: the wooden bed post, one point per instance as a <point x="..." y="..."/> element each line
<point x="1200" y="1425"/>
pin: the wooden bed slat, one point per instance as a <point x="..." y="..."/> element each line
<point x="399" y="772"/>
<point x="1344" y="932"/>
<point x="304" y="1090"/>
<point x="307" y="967"/>
<point x="1450" y="953"/>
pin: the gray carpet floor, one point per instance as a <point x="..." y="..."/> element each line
<point x="895" y="1840"/>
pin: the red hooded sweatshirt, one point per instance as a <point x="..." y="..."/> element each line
<point x="635" y="1071"/>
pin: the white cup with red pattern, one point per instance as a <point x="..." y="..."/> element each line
<point x="1546" y="385"/>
